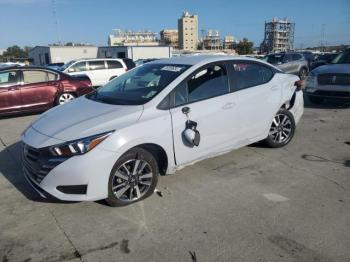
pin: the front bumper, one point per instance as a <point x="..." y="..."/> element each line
<point x="90" y="171"/>
<point x="329" y="91"/>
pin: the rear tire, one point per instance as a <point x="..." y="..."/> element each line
<point x="64" y="98"/>
<point x="133" y="178"/>
<point x="316" y="100"/>
<point x="282" y="129"/>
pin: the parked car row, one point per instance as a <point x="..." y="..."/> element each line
<point x="159" y="117"/>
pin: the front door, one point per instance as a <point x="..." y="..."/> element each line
<point x="10" y="96"/>
<point x="206" y="94"/>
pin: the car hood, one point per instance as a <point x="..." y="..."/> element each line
<point x="83" y="117"/>
<point x="332" y="69"/>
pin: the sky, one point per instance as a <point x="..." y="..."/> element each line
<point x="33" y="22"/>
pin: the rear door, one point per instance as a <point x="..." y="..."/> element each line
<point x="206" y="94"/>
<point x="115" y="69"/>
<point x="39" y="88"/>
<point x="10" y="96"/>
<point x="287" y="65"/>
<point x="256" y="95"/>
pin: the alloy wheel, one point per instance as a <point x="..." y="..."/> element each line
<point x="132" y="180"/>
<point x="64" y="98"/>
<point x="281" y="128"/>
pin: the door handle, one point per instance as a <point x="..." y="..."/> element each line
<point x="12" y="88"/>
<point x="274" y="88"/>
<point x="228" y="105"/>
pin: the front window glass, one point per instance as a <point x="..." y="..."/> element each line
<point x="65" y="66"/>
<point x="78" y="67"/>
<point x="8" y="78"/>
<point x="209" y="82"/>
<point x="139" y="85"/>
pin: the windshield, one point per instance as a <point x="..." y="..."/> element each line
<point x="139" y="85"/>
<point x="342" y="58"/>
<point x="62" y="68"/>
<point x="274" y="59"/>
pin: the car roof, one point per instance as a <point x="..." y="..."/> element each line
<point x="28" y="68"/>
<point x="206" y="59"/>
<point x="193" y="60"/>
<point x="96" y="59"/>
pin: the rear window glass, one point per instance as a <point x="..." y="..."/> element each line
<point x="129" y="63"/>
<point x="114" y="64"/>
<point x="250" y="74"/>
<point x="96" y="65"/>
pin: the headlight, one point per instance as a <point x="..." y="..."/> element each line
<point x="79" y="146"/>
<point x="311" y="80"/>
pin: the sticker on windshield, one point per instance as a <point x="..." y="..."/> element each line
<point x="172" y="68"/>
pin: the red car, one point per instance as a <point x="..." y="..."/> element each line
<point x="30" y="89"/>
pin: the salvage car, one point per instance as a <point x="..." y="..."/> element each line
<point x="331" y="81"/>
<point x="32" y="89"/>
<point x="113" y="144"/>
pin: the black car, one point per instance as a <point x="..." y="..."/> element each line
<point x="323" y="60"/>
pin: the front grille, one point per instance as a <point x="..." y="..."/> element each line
<point x="37" y="163"/>
<point x="334" y="79"/>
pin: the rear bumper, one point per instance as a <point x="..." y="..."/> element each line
<point x="298" y="107"/>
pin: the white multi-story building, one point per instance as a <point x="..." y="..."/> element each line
<point x="121" y="37"/>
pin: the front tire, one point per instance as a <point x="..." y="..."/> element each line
<point x="133" y="178"/>
<point x="282" y="129"/>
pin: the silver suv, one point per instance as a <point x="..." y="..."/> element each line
<point x="331" y="80"/>
<point x="292" y="63"/>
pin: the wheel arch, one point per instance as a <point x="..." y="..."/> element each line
<point x="159" y="154"/>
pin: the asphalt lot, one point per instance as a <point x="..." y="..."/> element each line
<point x="253" y="204"/>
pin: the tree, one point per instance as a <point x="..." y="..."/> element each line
<point x="244" y="47"/>
<point x="15" y="52"/>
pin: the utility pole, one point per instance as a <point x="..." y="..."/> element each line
<point x="54" y="11"/>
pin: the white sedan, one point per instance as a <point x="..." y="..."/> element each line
<point x="114" y="143"/>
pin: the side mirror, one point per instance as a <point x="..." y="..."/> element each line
<point x="192" y="136"/>
<point x="70" y="70"/>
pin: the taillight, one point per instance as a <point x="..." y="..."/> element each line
<point x="299" y="84"/>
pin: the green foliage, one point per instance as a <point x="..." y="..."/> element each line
<point x="15" y="52"/>
<point x="244" y="47"/>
